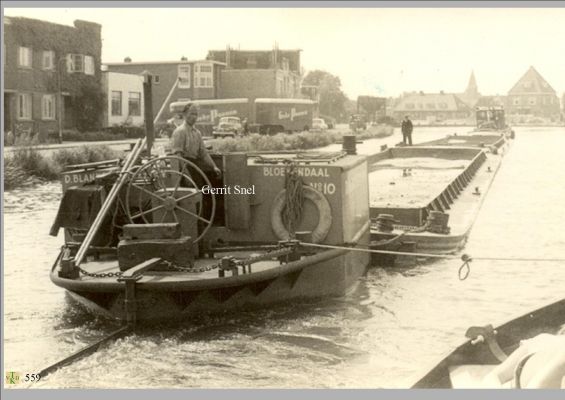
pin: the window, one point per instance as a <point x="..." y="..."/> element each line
<point x="443" y="105"/>
<point x="48" y="60"/>
<point x="89" y="65"/>
<point x="134" y="103"/>
<point x="410" y="106"/>
<point x="527" y="85"/>
<point x="184" y="76"/>
<point x="116" y="103"/>
<point x="75" y="63"/>
<point x="203" y="74"/>
<point x="24" y="105"/>
<point x="431" y="106"/>
<point x="532" y="101"/>
<point x="48" y="107"/>
<point x="156" y="79"/>
<point x="516" y="101"/>
<point x="25" y="57"/>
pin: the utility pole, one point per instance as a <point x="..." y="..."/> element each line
<point x="148" y="109"/>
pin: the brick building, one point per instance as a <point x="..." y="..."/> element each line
<point x="175" y="80"/>
<point x="532" y="95"/>
<point x="259" y="73"/>
<point x="432" y="107"/>
<point x="51" y="75"/>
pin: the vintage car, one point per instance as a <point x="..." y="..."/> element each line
<point x="228" y="127"/>
<point x="357" y="122"/>
<point x="318" y="125"/>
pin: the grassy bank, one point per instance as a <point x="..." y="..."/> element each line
<point x="27" y="166"/>
<point x="296" y="141"/>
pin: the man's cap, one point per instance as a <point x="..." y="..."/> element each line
<point x="190" y="107"/>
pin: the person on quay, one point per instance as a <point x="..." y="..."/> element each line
<point x="407" y="129"/>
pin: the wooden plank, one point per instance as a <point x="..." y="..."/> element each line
<point x="140" y="268"/>
<point x="168" y="230"/>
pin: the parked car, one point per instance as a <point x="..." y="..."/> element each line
<point x="357" y="122"/>
<point x="330" y="121"/>
<point x="166" y="130"/>
<point x="318" y="125"/>
<point x="228" y="127"/>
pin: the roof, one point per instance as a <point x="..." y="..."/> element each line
<point x="117" y="64"/>
<point x="531" y="83"/>
<point x="431" y="102"/>
<point x="284" y="101"/>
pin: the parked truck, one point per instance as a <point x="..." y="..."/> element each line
<point x="264" y="116"/>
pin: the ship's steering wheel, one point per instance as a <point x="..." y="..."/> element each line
<point x="152" y="182"/>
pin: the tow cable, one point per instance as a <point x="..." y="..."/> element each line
<point x="464" y="269"/>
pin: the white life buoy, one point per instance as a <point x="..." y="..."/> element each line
<point x="324" y="211"/>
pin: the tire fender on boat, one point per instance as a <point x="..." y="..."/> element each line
<point x="324" y="211"/>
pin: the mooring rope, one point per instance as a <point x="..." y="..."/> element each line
<point x="464" y="269"/>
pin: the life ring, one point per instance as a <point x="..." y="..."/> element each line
<point x="324" y="211"/>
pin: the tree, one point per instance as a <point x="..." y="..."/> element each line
<point x="332" y="98"/>
<point x="89" y="106"/>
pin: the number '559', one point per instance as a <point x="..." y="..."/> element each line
<point x="32" y="377"/>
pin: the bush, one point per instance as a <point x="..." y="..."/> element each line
<point x="289" y="142"/>
<point x="75" y="136"/>
<point x="82" y="155"/>
<point x="26" y="162"/>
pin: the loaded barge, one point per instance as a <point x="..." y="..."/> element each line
<point x="144" y="242"/>
<point x="425" y="198"/>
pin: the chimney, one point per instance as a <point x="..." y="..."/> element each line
<point x="441" y="92"/>
<point x="183" y="58"/>
<point x="127" y="60"/>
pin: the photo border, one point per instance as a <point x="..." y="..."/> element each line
<point x="251" y="394"/>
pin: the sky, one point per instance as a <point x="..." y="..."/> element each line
<point x="374" y="51"/>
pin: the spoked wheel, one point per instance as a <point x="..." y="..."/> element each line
<point x="157" y="185"/>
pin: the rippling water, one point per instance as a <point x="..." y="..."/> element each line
<point x="397" y="322"/>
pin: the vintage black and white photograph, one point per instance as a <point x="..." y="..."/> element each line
<point x="279" y="197"/>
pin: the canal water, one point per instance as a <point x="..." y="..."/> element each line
<point x="397" y="322"/>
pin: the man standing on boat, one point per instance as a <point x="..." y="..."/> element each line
<point x="407" y="131"/>
<point x="187" y="142"/>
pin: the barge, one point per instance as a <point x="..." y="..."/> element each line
<point x="425" y="198"/>
<point x="156" y="238"/>
<point x="486" y="347"/>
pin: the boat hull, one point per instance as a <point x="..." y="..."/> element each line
<point x="547" y="319"/>
<point x="329" y="273"/>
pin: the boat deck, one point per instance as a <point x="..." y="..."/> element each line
<point x="171" y="275"/>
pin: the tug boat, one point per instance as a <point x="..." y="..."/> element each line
<point x="155" y="238"/>
<point x="429" y="195"/>
<point x="485" y="347"/>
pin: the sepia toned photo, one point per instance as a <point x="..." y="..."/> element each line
<point x="204" y="196"/>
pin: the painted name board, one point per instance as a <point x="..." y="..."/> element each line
<point x="77" y="178"/>
<point x="302" y="171"/>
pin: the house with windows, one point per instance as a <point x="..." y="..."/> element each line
<point x="173" y="81"/>
<point x="532" y="95"/>
<point x="432" y="107"/>
<point x="259" y="73"/>
<point x="124" y="99"/>
<point x="51" y="76"/>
